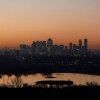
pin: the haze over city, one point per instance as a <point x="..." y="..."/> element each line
<point x="65" y="21"/>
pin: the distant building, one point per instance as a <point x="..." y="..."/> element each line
<point x="39" y="48"/>
<point x="25" y="50"/>
<point x="66" y="48"/>
<point x="33" y="44"/>
<point x="47" y="48"/>
<point x="49" y="42"/>
<point x="60" y="50"/>
<point x="74" y="47"/>
<point x="44" y="43"/>
<point x="70" y="46"/>
<point x="86" y="44"/>
<point x="80" y="44"/>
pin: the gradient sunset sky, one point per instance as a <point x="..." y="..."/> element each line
<point x="22" y="21"/>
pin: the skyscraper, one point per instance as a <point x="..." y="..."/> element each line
<point x="74" y="46"/>
<point x="86" y="44"/>
<point x="49" y="42"/>
<point x="80" y="44"/>
<point x="49" y="46"/>
<point x="44" y="43"/>
<point x="70" y="46"/>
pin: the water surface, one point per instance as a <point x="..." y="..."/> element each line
<point x="31" y="79"/>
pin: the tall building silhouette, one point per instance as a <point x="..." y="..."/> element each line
<point x="86" y="44"/>
<point x="70" y="46"/>
<point x="80" y="44"/>
<point x="50" y="49"/>
<point x="44" y="43"/>
<point x="49" y="42"/>
<point x="74" y="46"/>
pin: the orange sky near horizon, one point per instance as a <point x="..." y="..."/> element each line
<point x="65" y="21"/>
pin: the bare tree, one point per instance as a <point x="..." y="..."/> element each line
<point x="91" y="83"/>
<point x="16" y="82"/>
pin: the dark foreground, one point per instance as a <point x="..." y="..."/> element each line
<point x="69" y="93"/>
<point x="58" y="64"/>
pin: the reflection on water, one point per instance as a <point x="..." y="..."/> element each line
<point x="31" y="79"/>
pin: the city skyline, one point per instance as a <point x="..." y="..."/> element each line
<point x="65" y="21"/>
<point x="80" y="43"/>
<point x="49" y="48"/>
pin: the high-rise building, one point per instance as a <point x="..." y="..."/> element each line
<point x="33" y="44"/>
<point x="49" y="42"/>
<point x="70" y="46"/>
<point x="44" y="43"/>
<point x="66" y="48"/>
<point x="74" y="46"/>
<point x="25" y="49"/>
<point x="80" y="44"/>
<point x="86" y="44"/>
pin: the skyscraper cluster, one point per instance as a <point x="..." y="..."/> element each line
<point x="48" y="48"/>
<point x="79" y="47"/>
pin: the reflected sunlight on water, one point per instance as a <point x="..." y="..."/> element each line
<point x="31" y="79"/>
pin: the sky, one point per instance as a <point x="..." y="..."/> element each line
<point x="65" y="21"/>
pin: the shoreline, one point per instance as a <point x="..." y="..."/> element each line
<point x="28" y="73"/>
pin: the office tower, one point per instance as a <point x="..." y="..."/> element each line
<point x="23" y="49"/>
<point x="86" y="44"/>
<point x="80" y="44"/>
<point x="61" y="47"/>
<point x="38" y="44"/>
<point x="49" y="42"/>
<point x="33" y="44"/>
<point x="74" y="46"/>
<point x="70" y="46"/>
<point x="66" y="48"/>
<point x="44" y="43"/>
